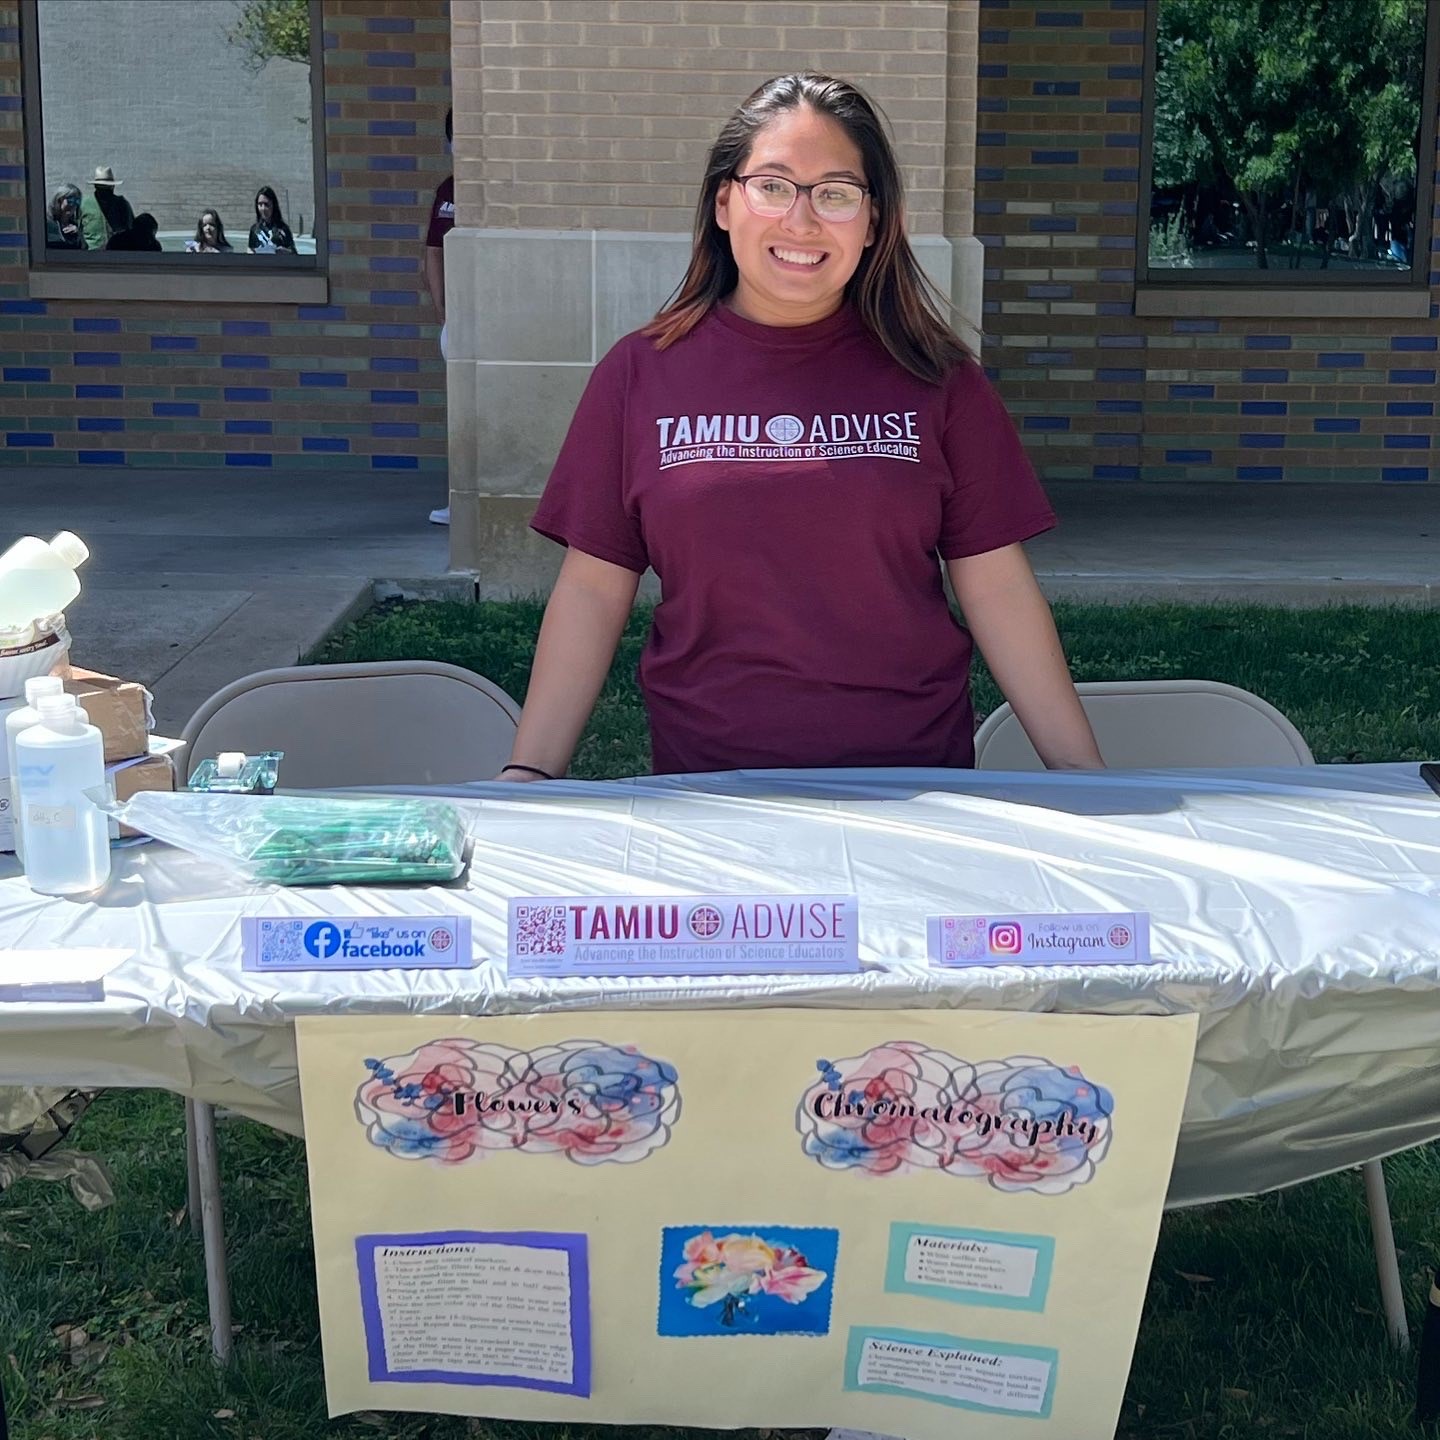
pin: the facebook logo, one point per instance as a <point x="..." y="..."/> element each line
<point x="323" y="939"/>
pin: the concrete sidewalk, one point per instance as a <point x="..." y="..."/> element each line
<point x="199" y="577"/>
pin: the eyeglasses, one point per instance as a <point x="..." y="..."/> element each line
<point x="771" y="196"/>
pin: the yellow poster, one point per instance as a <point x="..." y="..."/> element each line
<point x="934" y="1224"/>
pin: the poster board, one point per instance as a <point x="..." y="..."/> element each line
<point x="921" y="1223"/>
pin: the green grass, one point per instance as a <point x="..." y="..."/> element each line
<point x="1262" y="1315"/>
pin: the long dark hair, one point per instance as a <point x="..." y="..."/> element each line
<point x="276" y="218"/>
<point x="220" y="239"/>
<point x="892" y="295"/>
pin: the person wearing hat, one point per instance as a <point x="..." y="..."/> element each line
<point x="103" y="213"/>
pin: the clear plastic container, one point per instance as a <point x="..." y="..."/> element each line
<point x="37" y="578"/>
<point x="16" y="721"/>
<point x="61" y="765"/>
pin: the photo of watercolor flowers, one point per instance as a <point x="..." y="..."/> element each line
<point x="724" y="1280"/>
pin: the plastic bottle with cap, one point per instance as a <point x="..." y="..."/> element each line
<point x="60" y="760"/>
<point x="16" y="721"/>
<point x="37" y="578"/>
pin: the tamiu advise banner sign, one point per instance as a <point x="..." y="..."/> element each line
<point x="933" y="1224"/>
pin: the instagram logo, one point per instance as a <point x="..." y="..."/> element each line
<point x="1006" y="938"/>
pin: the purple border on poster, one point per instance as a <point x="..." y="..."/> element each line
<point x="573" y="1245"/>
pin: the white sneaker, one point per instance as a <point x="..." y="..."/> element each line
<point x="440" y="516"/>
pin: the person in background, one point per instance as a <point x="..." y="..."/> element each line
<point x="140" y="236"/>
<point x="104" y="212"/>
<point x="62" y="227"/>
<point x="442" y="221"/>
<point x="209" y="235"/>
<point x="269" y="234"/>
<point x="803" y="620"/>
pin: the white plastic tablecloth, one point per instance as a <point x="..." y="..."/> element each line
<point x="1297" y="910"/>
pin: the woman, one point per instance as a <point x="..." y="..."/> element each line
<point x="791" y="443"/>
<point x="269" y="233"/>
<point x="63" y="230"/>
<point x="209" y="235"/>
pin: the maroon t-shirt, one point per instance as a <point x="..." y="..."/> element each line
<point x="792" y="489"/>
<point x="442" y="212"/>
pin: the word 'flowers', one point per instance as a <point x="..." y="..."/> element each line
<point x="1020" y="1124"/>
<point x="449" y="1100"/>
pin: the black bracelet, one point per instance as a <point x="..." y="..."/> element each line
<point x="529" y="770"/>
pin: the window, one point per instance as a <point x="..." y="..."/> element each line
<point x="1289" y="142"/>
<point x="175" y="137"/>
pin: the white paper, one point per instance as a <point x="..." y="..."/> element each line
<point x="75" y="973"/>
<point x="978" y="1377"/>
<point x="476" y="1309"/>
<point x="969" y="1264"/>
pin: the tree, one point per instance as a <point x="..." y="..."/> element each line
<point x="272" y="30"/>
<point x="1270" y="93"/>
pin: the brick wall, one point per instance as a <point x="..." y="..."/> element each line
<point x="1101" y="393"/>
<point x="357" y="382"/>
<point x="597" y="114"/>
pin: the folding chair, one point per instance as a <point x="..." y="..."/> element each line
<point x="1143" y="724"/>
<point x="391" y="722"/>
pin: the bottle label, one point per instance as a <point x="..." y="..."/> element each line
<point x="52" y="817"/>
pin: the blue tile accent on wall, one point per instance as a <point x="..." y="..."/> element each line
<point x="1115" y="472"/>
<point x="1192" y="392"/>
<point x="402" y="364"/>
<point x="395" y="332"/>
<point x="1412" y="377"/>
<point x="395" y="265"/>
<point x="1118" y="174"/>
<point x="1407" y="442"/>
<point x="989" y="138"/>
<point x="1127" y="37"/>
<point x="1054" y="157"/>
<point x="1410" y="407"/>
<point x="1126" y="141"/>
<point x="390" y="25"/>
<point x="392" y="162"/>
<point x="1058" y="19"/>
<point x="1055" y="87"/>
<point x="395" y="430"/>
<point x="1117" y="275"/>
<point x="1123" y="107"/>
<point x="86" y="325"/>
<point x="1049" y="292"/>
<point x="1195" y="326"/>
<point x="394" y="462"/>
<point x="391" y="94"/>
<point x="1118" y="407"/>
<point x="18" y="374"/>
<point x="1264" y="407"/>
<point x="248" y="427"/>
<point x="1337" y="427"/>
<point x="320" y="312"/>
<point x="244" y="362"/>
<point x="325" y="444"/>
<point x="1405" y="474"/>
<point x="1257" y="376"/>
<point x="393" y="297"/>
<point x="1124" y="72"/>
<point x="324" y="379"/>
<point x="244" y="327"/>
<point x="1054" y="224"/>
<point x="1108" y="376"/>
<point x="1413" y="342"/>
<point x="248" y="458"/>
<point x="1341" y="360"/>
<point x="177" y="408"/>
<point x="394" y="397"/>
<point x="390" y="60"/>
<point x="1267" y="342"/>
<point x="401" y="199"/>
<point x="100" y="457"/>
<point x="1117" y="441"/>
<point x="1187" y="457"/>
<point x="99" y="422"/>
<point x="1260" y="472"/>
<point x="994" y="37"/>
<point x="173" y="342"/>
<point x="96" y="357"/>
<point x="1046" y="422"/>
<point x="30" y="440"/>
<point x="991" y="105"/>
<point x="247" y="394"/>
<point x="22" y="307"/>
<point x="992" y="71"/>
<point x="99" y="392"/>
<point x="388" y="231"/>
<point x="1262" y="442"/>
<point x="988" y="174"/>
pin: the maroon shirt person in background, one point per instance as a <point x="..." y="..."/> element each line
<point x="795" y="445"/>
<point x="442" y="221"/>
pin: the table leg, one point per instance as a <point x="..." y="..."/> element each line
<point x="212" y="1221"/>
<point x="192" y="1171"/>
<point x="1392" y="1298"/>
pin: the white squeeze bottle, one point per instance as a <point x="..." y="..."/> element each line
<point x="16" y="721"/>
<point x="66" y="839"/>
<point x="37" y="577"/>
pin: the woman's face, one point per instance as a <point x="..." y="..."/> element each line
<point x="263" y="208"/>
<point x="209" y="229"/>
<point x="794" y="268"/>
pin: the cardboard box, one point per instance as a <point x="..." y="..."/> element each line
<point x="155" y="771"/>
<point x="120" y="709"/>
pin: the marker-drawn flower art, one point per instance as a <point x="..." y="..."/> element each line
<point x="449" y="1100"/>
<point x="1023" y="1123"/>
<point x="746" y="1282"/>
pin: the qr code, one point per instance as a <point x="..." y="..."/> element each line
<point x="964" y="939"/>
<point x="539" y="929"/>
<point x="282" y="942"/>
